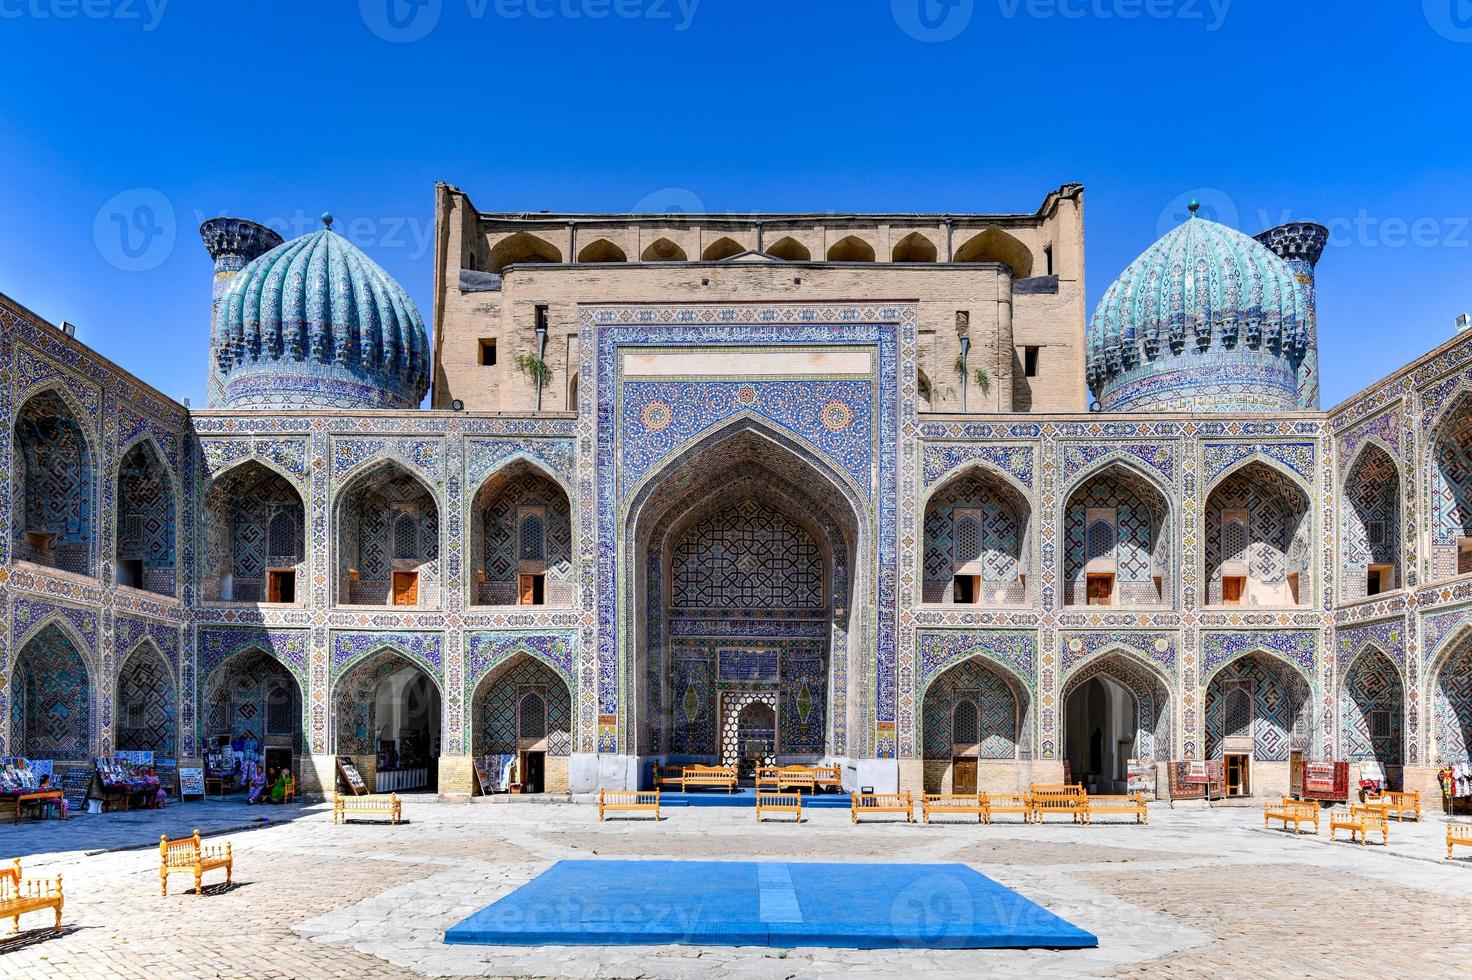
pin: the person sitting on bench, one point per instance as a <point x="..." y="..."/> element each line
<point x="257" y="783"/>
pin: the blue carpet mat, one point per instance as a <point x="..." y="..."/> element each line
<point x="780" y="904"/>
<point x="746" y="796"/>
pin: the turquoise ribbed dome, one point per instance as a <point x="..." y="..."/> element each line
<point x="1207" y="319"/>
<point x="315" y="323"/>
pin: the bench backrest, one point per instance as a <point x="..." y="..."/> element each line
<point x="10" y="879"/>
<point x="792" y="800"/>
<point x="709" y="770"/>
<point x="180" y="853"/>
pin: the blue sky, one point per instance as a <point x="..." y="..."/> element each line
<point x="160" y="113"/>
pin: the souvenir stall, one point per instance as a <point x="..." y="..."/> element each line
<point x="497" y="773"/>
<point x="26" y="785"/>
<point x="1203" y="780"/>
<point x="1323" y="780"/>
<point x="1456" y="787"/>
<point x="230" y="763"/>
<point x="126" y="781"/>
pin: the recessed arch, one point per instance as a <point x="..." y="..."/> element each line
<point x="51" y="695"/>
<point x="851" y="248"/>
<point x="388" y="715"/>
<point x="147" y="703"/>
<point x="1449" y="694"/>
<point x="522" y="531"/>
<point x="1117" y="522"/>
<point x="1116" y="706"/>
<point x="1450" y="486"/>
<point x="601" y="250"/>
<point x="506" y="728"/>
<point x="789" y="249"/>
<point x="1370" y="506"/>
<point x="1003" y="708"/>
<point x="914" y="247"/>
<point x="372" y="567"/>
<point x="924" y="393"/>
<point x="663" y="250"/>
<point x="146" y="552"/>
<point x="521" y="248"/>
<point x="1258" y="538"/>
<point x="54" y="490"/>
<point x="253" y="697"/>
<point x="767" y="482"/>
<point x="255" y="541"/>
<point x="1259" y="703"/>
<point x="722" y="248"/>
<point x="977" y="539"/>
<point x="996" y="245"/>
<point x="1372" y="709"/>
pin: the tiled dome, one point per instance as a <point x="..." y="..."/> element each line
<point x="315" y="323"/>
<point x="1207" y="320"/>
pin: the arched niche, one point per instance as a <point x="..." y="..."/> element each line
<point x="1116" y="541"/>
<point x="521" y="546"/>
<point x="978" y="541"/>
<point x="914" y="247"/>
<point x="388" y="540"/>
<point x="387" y="711"/>
<point x="254" y="537"/>
<point x="663" y="250"/>
<point x="521" y="718"/>
<point x="146" y="543"/>
<point x="601" y="251"/>
<point x="146" y="708"/>
<point x="51" y="698"/>
<point x="1370" y="526"/>
<point x="851" y="248"/>
<point x="521" y="248"/>
<point x="996" y="245"/>
<point x="1258" y="540"/>
<point x="965" y="760"/>
<point x="1451" y="490"/>
<point x="54" y="490"/>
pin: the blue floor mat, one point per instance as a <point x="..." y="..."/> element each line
<point x="779" y="904"/>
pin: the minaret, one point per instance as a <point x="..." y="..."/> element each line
<point x="232" y="243"/>
<point x="1300" y="243"/>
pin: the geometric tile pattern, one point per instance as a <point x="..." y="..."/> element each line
<point x="499" y="704"/>
<point x="147" y="706"/>
<point x="503" y="530"/>
<point x="1133" y="541"/>
<point x="1274" y="541"/>
<point x="1452" y="475"/>
<point x="53" y="484"/>
<point x="1452" y="709"/>
<point x="49" y="691"/>
<point x="993" y="537"/>
<point x="995" y="699"/>
<point x="747" y="556"/>
<point x="1257" y="692"/>
<point x="1370" y="710"/>
<point x="1370" y="519"/>
<point x="145" y="524"/>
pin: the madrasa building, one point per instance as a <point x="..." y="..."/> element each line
<point x="865" y="489"/>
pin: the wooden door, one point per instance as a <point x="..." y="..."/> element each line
<point x="406" y="588"/>
<point x="963" y="776"/>
<point x="1101" y="590"/>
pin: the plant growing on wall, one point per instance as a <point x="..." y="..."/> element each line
<point x="535" y="369"/>
<point x="982" y="379"/>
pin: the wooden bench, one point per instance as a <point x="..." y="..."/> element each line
<point x="1054" y="798"/>
<point x="1398" y="804"/>
<point x="187" y="855"/>
<point x="635" y="800"/>
<point x="882" y="803"/>
<point x="1019" y="803"/>
<point x="828" y="777"/>
<point x="1296" y="812"/>
<point x="708" y="776"/>
<point x="668" y="776"/>
<point x="1360" y="821"/>
<point x="780" y="777"/>
<point x="372" y="804"/>
<point x="42" y="799"/>
<point x="20" y="895"/>
<point x="1128" y="803"/>
<point x="1457" y="835"/>
<point x="778" y="803"/>
<point x="963" y="803"/>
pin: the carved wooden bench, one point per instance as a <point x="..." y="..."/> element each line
<point x="1132" y="804"/>
<point x="882" y="803"/>
<point x="1019" y="803"/>
<point x="778" y="803"/>
<point x="780" y="777"/>
<point x="1360" y="821"/>
<point x="1049" y="799"/>
<point x="1296" y="812"/>
<point x="187" y="855"/>
<point x="949" y="803"/>
<point x="1398" y="804"/>
<point x="389" y="805"/>
<point x="1457" y="835"/>
<point x="20" y="895"/>
<point x="631" y="800"/>
<point x="709" y="776"/>
<point x="668" y="776"/>
<point x="828" y="777"/>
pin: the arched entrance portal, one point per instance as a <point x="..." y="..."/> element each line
<point x="974" y="721"/>
<point x="1115" y="711"/>
<point x="1258" y="714"/>
<point x="252" y="717"/>
<point x="748" y="547"/>
<point x="521" y="727"/>
<point x="388" y="720"/>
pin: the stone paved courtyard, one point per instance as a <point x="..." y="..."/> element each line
<point x="1196" y="893"/>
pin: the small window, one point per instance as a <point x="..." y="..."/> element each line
<point x="406" y="530"/>
<point x="1100" y="590"/>
<point x="1232" y="588"/>
<point x="1375" y="532"/>
<point x="532" y="547"/>
<point x="130" y="572"/>
<point x="1293" y="589"/>
<point x="281" y="585"/>
<point x="1030" y="362"/>
<point x="488" y="352"/>
<point x="1047" y="260"/>
<point x="1380" y="723"/>
<point x="1372" y="582"/>
<point x="533" y="590"/>
<point x="965" y="591"/>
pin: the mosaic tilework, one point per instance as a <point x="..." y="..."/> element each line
<point x="941" y="460"/>
<point x="1152" y="701"/>
<point x="424" y="649"/>
<point x="1452" y="476"/>
<point x="1274" y="541"/>
<point x="357" y="696"/>
<point x="145" y="528"/>
<point x="746" y="556"/>
<point x="1218" y="457"/>
<point x="1255" y="696"/>
<point x="1369" y="520"/>
<point x="1451" y="709"/>
<point x="942" y="649"/>
<point x="1135" y="541"/>
<point x="50" y="697"/>
<point x="522" y="517"/>
<point x="974" y="521"/>
<point x="54" y="485"/>
<point x="1156" y="648"/>
<point x="995" y="699"/>
<point x="253" y="697"/>
<point x="503" y="710"/>
<point x="147" y="704"/>
<point x="1298" y="647"/>
<point x="1371" y="710"/>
